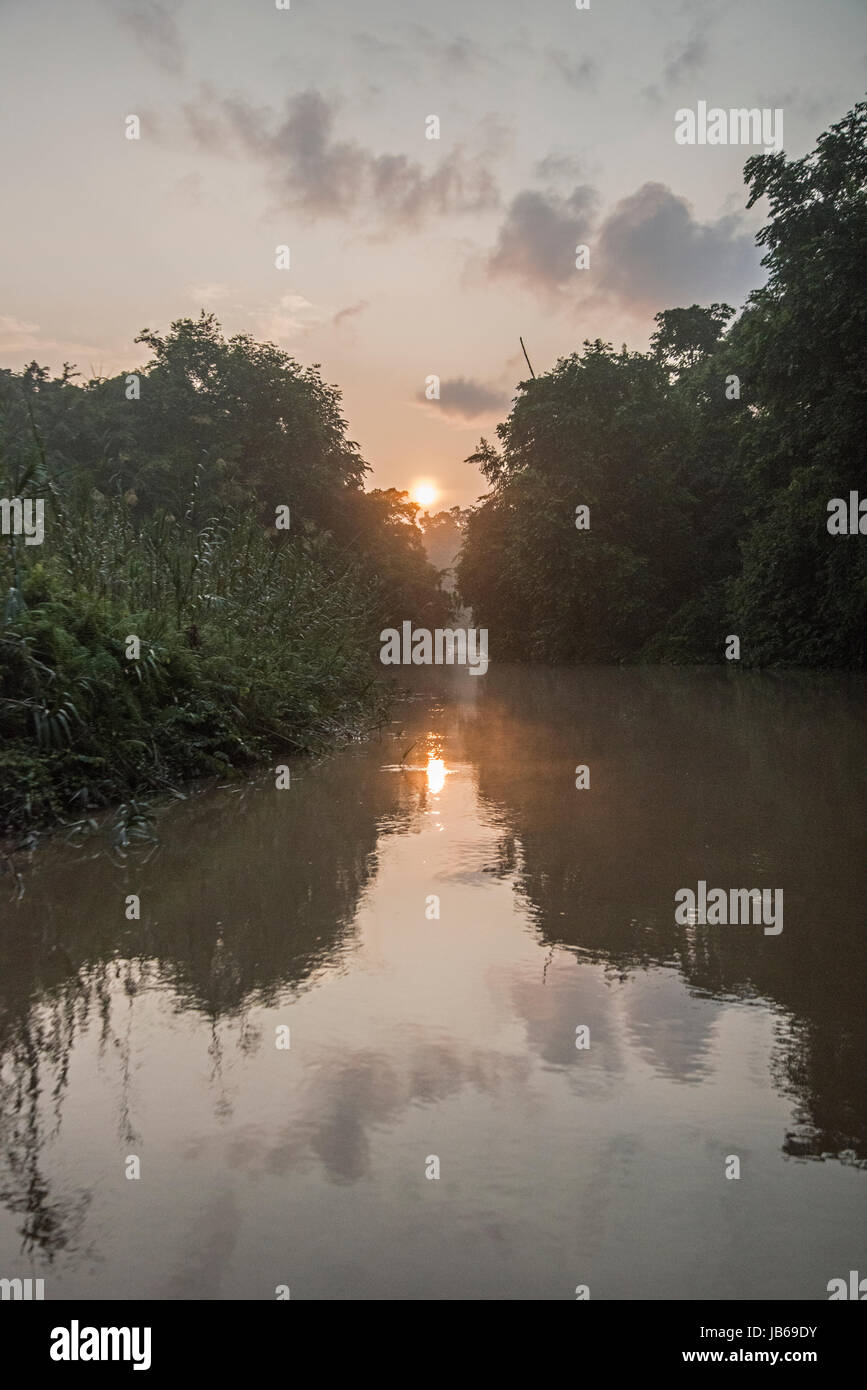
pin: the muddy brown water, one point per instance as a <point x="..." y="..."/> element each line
<point x="414" y="1037"/>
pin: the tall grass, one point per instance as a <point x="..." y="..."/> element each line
<point x="248" y="643"/>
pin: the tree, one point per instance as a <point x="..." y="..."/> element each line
<point x="801" y="348"/>
<point x="600" y="431"/>
<point x="250" y="414"/>
<point x="684" y="336"/>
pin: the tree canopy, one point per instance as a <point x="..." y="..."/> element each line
<point x="706" y="464"/>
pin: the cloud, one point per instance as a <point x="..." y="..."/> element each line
<point x="558" y="166"/>
<point x="14" y="332"/>
<point x="466" y="399"/>
<point x="350" y="311"/>
<point x="456" y="53"/>
<point x="537" y="240"/>
<point x="290" y="316"/>
<point x="453" y="54"/>
<point x="188" y="191"/>
<point x="317" y="173"/>
<point x="684" y="61"/>
<point x="652" y="253"/>
<point x="374" y="46"/>
<point x="157" y="33"/>
<point x="22" y="342"/>
<point x="580" y="75"/>
<point x="208" y="293"/>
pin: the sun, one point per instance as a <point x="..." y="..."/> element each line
<point x="425" y="494"/>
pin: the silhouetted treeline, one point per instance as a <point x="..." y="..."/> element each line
<point x="209" y="506"/>
<point x="707" y="464"/>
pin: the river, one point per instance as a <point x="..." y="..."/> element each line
<point x="419" y="1042"/>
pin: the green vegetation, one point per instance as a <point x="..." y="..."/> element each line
<point x="708" y="511"/>
<point x="161" y="523"/>
<point x="165" y="500"/>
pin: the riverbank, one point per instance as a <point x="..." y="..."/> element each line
<point x="111" y="693"/>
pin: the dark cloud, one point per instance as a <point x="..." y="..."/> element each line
<point x="457" y="53"/>
<point x="580" y="74"/>
<point x="464" y="398"/>
<point x="324" y="176"/>
<point x="537" y="240"/>
<point x="651" y="253"/>
<point x="350" y="311"/>
<point x="156" y="30"/>
<point x="682" y="62"/>
<point x="559" y="166"/>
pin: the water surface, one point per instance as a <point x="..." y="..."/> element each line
<point x="414" y="1036"/>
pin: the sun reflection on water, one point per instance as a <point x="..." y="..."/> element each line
<point x="436" y="774"/>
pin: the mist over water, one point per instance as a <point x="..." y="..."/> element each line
<point x="455" y="1036"/>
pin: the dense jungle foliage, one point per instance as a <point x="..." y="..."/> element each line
<point x="708" y="499"/>
<point x="165" y="521"/>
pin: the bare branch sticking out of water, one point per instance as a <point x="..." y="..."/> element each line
<point x="408" y="750"/>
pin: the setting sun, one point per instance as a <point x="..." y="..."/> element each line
<point x="425" y="494"/>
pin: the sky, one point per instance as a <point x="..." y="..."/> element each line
<point x="410" y="257"/>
